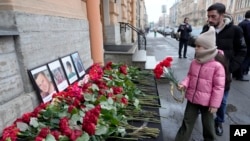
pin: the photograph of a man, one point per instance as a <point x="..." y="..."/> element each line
<point x="71" y="73"/>
<point x="45" y="85"/>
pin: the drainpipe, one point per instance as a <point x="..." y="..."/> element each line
<point x="95" y="31"/>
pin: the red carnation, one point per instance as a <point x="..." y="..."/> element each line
<point x="108" y="66"/>
<point x="117" y="90"/>
<point x="56" y="134"/>
<point x="124" y="100"/>
<point x="38" y="138"/>
<point x="44" y="132"/>
<point x="95" y="72"/>
<point x="170" y="59"/>
<point x="158" y="71"/>
<point x="123" y="69"/>
<point x="10" y="132"/>
<point x="89" y="128"/>
<point x="166" y="63"/>
<point x="26" y="117"/>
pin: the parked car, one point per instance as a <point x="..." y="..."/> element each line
<point x="193" y="35"/>
<point x="167" y="31"/>
<point x="175" y="34"/>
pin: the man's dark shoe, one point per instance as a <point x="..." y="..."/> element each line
<point x="242" y="79"/>
<point x="185" y="56"/>
<point x="218" y="129"/>
<point x="179" y="56"/>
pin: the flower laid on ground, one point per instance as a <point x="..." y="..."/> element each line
<point x="163" y="69"/>
<point x="96" y="108"/>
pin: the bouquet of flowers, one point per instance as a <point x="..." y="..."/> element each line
<point x="163" y="69"/>
<point x="93" y="109"/>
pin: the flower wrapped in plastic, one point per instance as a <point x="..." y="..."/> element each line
<point x="164" y="70"/>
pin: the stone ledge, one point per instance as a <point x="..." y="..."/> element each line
<point x="132" y="50"/>
<point x="140" y="56"/>
<point x="150" y="63"/>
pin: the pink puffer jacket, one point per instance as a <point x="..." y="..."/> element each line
<point x="205" y="83"/>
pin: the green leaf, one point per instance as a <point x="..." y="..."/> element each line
<point x="136" y="103"/>
<point x="106" y="105"/>
<point x="22" y="126"/>
<point x="74" y="111"/>
<point x="63" y="114"/>
<point x="101" y="130"/>
<point x="84" y="137"/>
<point x="90" y="106"/>
<point x="122" y="131"/>
<point x="110" y="100"/>
<point x="94" y="87"/>
<point x="75" y="118"/>
<point x="63" y="138"/>
<point x="50" y="138"/>
<point x="88" y="97"/>
<point x="34" y="122"/>
<point x="102" y="98"/>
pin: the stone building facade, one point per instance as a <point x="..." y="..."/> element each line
<point x="195" y="10"/>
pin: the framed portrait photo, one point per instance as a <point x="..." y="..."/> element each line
<point x="69" y="69"/>
<point x="78" y="64"/>
<point x="43" y="83"/>
<point x="58" y="75"/>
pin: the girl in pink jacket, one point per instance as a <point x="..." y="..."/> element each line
<point x="204" y="85"/>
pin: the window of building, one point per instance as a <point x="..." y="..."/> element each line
<point x="245" y="3"/>
<point x="242" y="4"/>
<point x="238" y="4"/>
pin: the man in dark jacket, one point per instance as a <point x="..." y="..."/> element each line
<point x="184" y="30"/>
<point x="228" y="39"/>
<point x="245" y="25"/>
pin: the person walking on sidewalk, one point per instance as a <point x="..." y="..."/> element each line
<point x="204" y="85"/>
<point x="229" y="39"/>
<point x="184" y="30"/>
<point x="155" y="32"/>
<point x="245" y="25"/>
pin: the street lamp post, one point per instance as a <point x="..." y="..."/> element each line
<point x="164" y="11"/>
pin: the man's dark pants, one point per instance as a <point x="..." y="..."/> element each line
<point x="182" y="43"/>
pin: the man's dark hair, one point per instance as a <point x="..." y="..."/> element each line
<point x="68" y="64"/>
<point x="219" y="7"/>
<point x="185" y="19"/>
<point x="247" y="15"/>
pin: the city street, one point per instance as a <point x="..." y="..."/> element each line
<point x="172" y="111"/>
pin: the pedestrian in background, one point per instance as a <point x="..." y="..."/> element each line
<point x="228" y="39"/>
<point x="184" y="30"/>
<point x="155" y="32"/>
<point x="204" y="85"/>
<point x="245" y="25"/>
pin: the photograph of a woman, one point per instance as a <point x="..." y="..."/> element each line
<point x="58" y="75"/>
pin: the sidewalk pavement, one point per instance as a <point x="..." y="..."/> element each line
<point x="172" y="111"/>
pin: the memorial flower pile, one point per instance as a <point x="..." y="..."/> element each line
<point x="95" y="108"/>
<point x="164" y="70"/>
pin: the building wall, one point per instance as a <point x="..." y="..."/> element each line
<point x="196" y="10"/>
<point x="241" y="6"/>
<point x="47" y="30"/>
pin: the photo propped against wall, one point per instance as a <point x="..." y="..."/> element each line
<point x="42" y="81"/>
